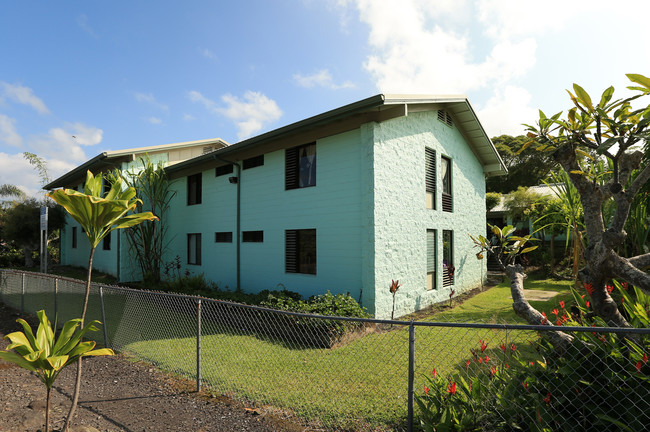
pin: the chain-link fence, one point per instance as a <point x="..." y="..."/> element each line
<point x="353" y="374"/>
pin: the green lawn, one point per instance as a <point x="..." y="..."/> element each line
<point x="361" y="383"/>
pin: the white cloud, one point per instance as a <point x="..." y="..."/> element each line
<point x="251" y="113"/>
<point x="322" y="78"/>
<point x="151" y="100"/>
<point x="66" y="142"/>
<point x="154" y="120"/>
<point x="16" y="170"/>
<point x="23" y="95"/>
<point x="207" y="103"/>
<point x="188" y="117"/>
<point x="8" y="134"/>
<point x="416" y="48"/>
<point x="506" y="111"/>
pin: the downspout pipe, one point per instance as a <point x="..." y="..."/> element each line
<point x="238" y="217"/>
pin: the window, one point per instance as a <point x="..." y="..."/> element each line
<point x="74" y="237"/>
<point x="300" y="167"/>
<point x="223" y="237"/>
<point x="252" y="236"/>
<point x="445" y="167"/>
<point x="223" y="170"/>
<point x="253" y="162"/>
<point x="300" y="251"/>
<point x="194" y="189"/>
<point x="194" y="249"/>
<point x="107" y="242"/>
<point x="432" y="258"/>
<point x="448" y="268"/>
<point x="430" y="177"/>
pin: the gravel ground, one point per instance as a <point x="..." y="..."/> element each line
<point x="118" y="394"/>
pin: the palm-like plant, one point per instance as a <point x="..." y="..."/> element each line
<point x="98" y="215"/>
<point x="46" y="355"/>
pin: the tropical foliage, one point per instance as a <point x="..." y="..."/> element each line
<point x="98" y="214"/>
<point x="46" y="355"/>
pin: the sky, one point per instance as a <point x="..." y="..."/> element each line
<point x="78" y="78"/>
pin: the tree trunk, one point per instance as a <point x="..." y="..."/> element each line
<point x="47" y="411"/>
<point x="77" y="386"/>
<point x="27" y="251"/>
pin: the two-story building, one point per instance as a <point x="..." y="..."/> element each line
<point x="385" y="188"/>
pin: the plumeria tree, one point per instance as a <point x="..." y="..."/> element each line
<point x="98" y="214"/>
<point x="615" y="131"/>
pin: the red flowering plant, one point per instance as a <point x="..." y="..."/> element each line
<point x="463" y="401"/>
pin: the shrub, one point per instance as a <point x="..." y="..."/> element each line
<point x="599" y="383"/>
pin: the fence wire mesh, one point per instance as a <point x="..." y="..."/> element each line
<point x="356" y="374"/>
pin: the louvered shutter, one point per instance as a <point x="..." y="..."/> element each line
<point x="291" y="169"/>
<point x="291" y="252"/>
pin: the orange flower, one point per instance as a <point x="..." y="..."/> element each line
<point x="587" y="303"/>
<point x="645" y="358"/>
<point x="590" y="288"/>
<point x="503" y="347"/>
<point x="487" y="359"/>
<point x="625" y="285"/>
<point x="467" y="364"/>
<point x="555" y="312"/>
<point x="638" y="366"/>
<point x="426" y="390"/>
<point x="452" y="388"/>
<point x="610" y="288"/>
<point x="483" y="345"/>
<point x="562" y="304"/>
<point x="547" y="399"/>
<point x="394" y="286"/>
<point x="513" y="347"/>
<point x="434" y="372"/>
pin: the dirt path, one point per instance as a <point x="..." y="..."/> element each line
<point x="121" y="395"/>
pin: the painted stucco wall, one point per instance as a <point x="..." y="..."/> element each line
<point x="333" y="207"/>
<point x="401" y="219"/>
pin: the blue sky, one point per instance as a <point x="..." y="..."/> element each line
<point x="117" y="75"/>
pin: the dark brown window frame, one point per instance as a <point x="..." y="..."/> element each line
<point x="197" y="249"/>
<point x="292" y="166"/>
<point x="194" y="189"/>
<point x="294" y="249"/>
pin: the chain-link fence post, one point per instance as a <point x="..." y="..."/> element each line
<point x="411" y="391"/>
<point x="198" y="345"/>
<point x="22" y="294"/>
<point x="56" y="300"/>
<point x="104" y="324"/>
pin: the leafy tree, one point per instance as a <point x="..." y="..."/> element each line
<point x="609" y="129"/>
<point x="46" y="355"/>
<point x="98" y="215"/>
<point x="492" y="199"/>
<point x="523" y="204"/>
<point x="21" y="224"/>
<point x="526" y="168"/>
<point x="147" y="241"/>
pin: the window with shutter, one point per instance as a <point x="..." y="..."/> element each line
<point x="432" y="258"/>
<point x="448" y="268"/>
<point x="430" y="177"/>
<point x="446" y="172"/>
<point x="300" y="167"/>
<point x="300" y="251"/>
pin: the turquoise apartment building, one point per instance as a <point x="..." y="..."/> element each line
<point x="385" y="188"/>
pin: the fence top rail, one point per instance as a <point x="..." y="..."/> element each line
<point x="490" y="326"/>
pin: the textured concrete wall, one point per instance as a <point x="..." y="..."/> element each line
<point x="333" y="207"/>
<point x="401" y="219"/>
